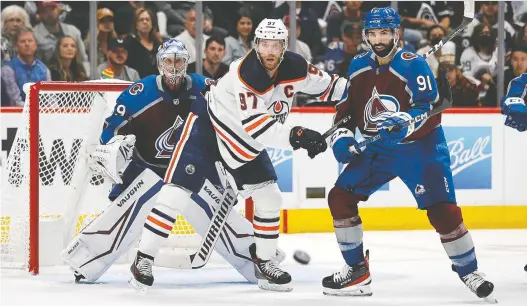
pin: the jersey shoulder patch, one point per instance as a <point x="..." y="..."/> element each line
<point x="359" y="62"/>
<point x="408" y="63"/>
<point x="140" y="92"/>
<point x="199" y="82"/>
<point x="253" y="75"/>
<point x="293" y="67"/>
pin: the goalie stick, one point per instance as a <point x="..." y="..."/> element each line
<point x="468" y="16"/>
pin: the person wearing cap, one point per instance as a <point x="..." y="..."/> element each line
<point x="301" y="47"/>
<point x="105" y="32"/>
<point x="464" y="90"/>
<point x="434" y="35"/>
<point x="51" y="29"/>
<point x="115" y="67"/>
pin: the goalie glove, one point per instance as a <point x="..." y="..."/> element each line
<point x="112" y="158"/>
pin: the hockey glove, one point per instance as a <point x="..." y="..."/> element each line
<point x="392" y="129"/>
<point x="516" y="112"/>
<point x="311" y="141"/>
<point x="112" y="158"/>
<point x="345" y="147"/>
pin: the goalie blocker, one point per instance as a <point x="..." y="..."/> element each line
<point x="119" y="226"/>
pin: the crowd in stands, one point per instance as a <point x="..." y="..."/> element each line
<point x="48" y="40"/>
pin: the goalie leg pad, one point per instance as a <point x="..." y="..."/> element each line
<point x="114" y="231"/>
<point x="266" y="224"/>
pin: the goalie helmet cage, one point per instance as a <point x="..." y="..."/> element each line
<point x="48" y="192"/>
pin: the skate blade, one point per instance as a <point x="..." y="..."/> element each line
<point x="141" y="288"/>
<point x="364" y="290"/>
<point x="266" y="285"/>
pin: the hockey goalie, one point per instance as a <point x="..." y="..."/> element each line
<point x="136" y="145"/>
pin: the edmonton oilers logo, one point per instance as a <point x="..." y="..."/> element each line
<point x="279" y="110"/>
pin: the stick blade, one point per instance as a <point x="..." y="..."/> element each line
<point x="468" y="11"/>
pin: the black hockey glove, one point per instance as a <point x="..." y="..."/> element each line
<point x="311" y="141"/>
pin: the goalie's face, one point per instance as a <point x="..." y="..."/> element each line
<point x="270" y="52"/>
<point x="173" y="69"/>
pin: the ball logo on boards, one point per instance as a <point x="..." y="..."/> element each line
<point x="283" y="165"/>
<point x="470" y="156"/>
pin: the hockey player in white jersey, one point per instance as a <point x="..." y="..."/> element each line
<point x="244" y="113"/>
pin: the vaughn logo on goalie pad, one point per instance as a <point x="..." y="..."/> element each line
<point x="130" y="193"/>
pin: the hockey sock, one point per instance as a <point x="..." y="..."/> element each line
<point x="459" y="247"/>
<point x="266" y="227"/>
<point x="157" y="228"/>
<point x="349" y="236"/>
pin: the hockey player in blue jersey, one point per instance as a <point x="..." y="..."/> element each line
<point x="387" y="87"/>
<point x="513" y="105"/>
<point x="140" y="136"/>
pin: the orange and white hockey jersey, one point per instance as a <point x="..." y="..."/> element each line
<point x="248" y="108"/>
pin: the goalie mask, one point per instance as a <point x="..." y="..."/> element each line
<point x="270" y="42"/>
<point x="172" y="62"/>
<point x="381" y="31"/>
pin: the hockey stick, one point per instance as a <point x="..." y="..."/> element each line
<point x="468" y="16"/>
<point x="217" y="222"/>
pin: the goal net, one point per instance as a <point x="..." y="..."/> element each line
<point x="48" y="192"/>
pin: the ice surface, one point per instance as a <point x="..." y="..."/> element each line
<point x="408" y="268"/>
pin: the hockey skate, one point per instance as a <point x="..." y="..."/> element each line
<point x="476" y="282"/>
<point x="142" y="277"/>
<point x="353" y="280"/>
<point x="269" y="276"/>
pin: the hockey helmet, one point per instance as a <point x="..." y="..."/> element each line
<point x="172" y="61"/>
<point x="380" y="18"/>
<point x="271" y="29"/>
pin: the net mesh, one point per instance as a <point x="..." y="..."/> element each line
<point x="70" y="122"/>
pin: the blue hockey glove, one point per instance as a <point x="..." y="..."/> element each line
<point x="345" y="147"/>
<point x="516" y="113"/>
<point x="392" y="130"/>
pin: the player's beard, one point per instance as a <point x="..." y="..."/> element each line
<point x="387" y="49"/>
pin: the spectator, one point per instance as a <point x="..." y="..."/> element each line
<point x="125" y="14"/>
<point x="143" y="44"/>
<point x="301" y="47"/>
<point x="351" y="13"/>
<point x="13" y="19"/>
<point x="521" y="36"/>
<point x="212" y="64"/>
<point x="65" y="64"/>
<point x="403" y="44"/>
<point x="435" y="34"/>
<point x="50" y="30"/>
<point x="517" y="66"/>
<point x="115" y="67"/>
<point x="24" y="67"/>
<point x="464" y="91"/>
<point x="105" y="32"/>
<point x="488" y="15"/>
<point x="418" y="16"/>
<point x="188" y="36"/>
<point x="340" y="53"/>
<point x="6" y="99"/>
<point x="311" y="33"/>
<point x="480" y="60"/>
<point x="176" y="12"/>
<point x="238" y="45"/>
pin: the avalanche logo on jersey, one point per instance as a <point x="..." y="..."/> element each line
<point x="165" y="142"/>
<point x="408" y="56"/>
<point x="377" y="109"/>
<point x="279" y="110"/>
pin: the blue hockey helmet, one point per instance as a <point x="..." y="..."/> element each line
<point x="172" y="61"/>
<point x="380" y="18"/>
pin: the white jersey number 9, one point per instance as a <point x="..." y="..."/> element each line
<point x="424" y="84"/>
<point x="120" y="110"/>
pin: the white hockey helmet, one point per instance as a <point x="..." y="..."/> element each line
<point x="271" y="29"/>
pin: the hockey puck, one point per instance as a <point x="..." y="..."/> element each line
<point x="301" y="257"/>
